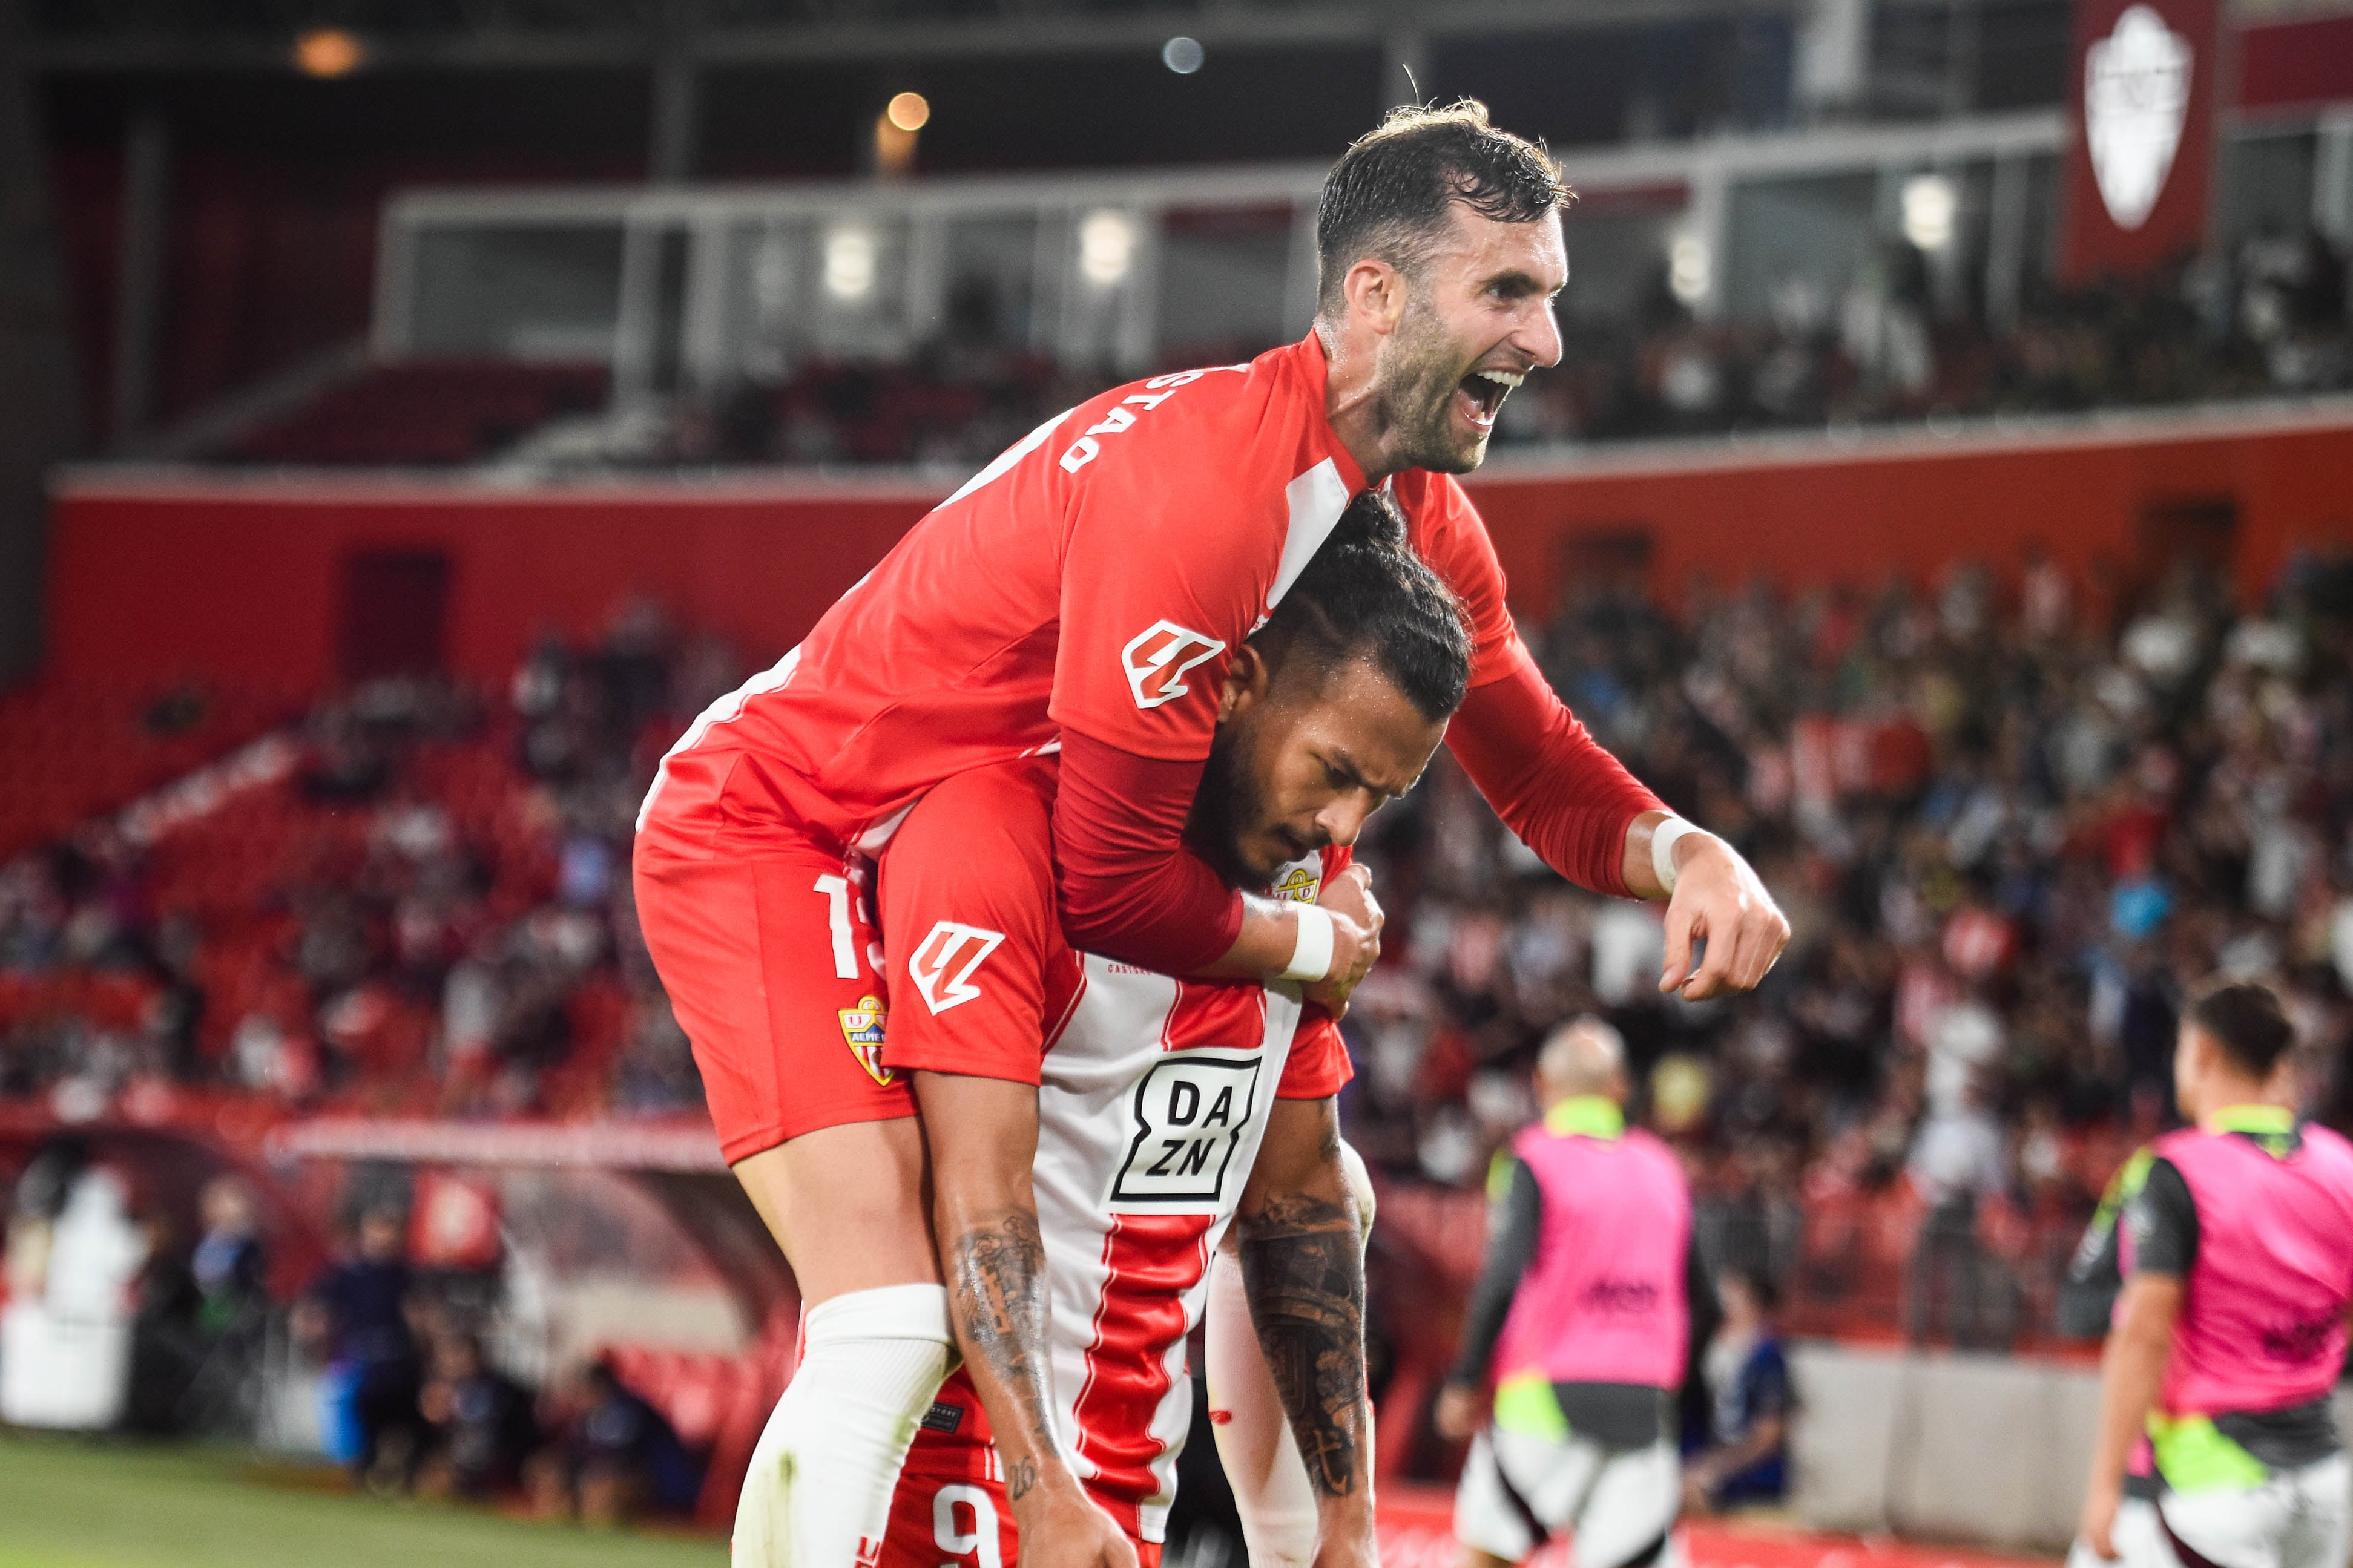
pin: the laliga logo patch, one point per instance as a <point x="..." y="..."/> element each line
<point x="1298" y="884"/>
<point x="942" y="966"/>
<point x="2136" y="98"/>
<point x="1163" y="653"/>
<point x="861" y="1030"/>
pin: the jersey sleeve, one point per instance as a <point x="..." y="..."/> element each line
<point x="967" y="918"/>
<point x="1550" y="781"/>
<point x="1451" y="537"/>
<point x="2087" y="1295"/>
<point x="1176" y="529"/>
<point x="2161" y="1224"/>
<point x="1318" y="1065"/>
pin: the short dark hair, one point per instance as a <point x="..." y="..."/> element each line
<point x="1390" y="193"/>
<point x="1366" y="594"/>
<point x="1762" y="1288"/>
<point x="2247" y="1019"/>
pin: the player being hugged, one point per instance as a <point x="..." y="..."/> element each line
<point x="1095" y="1127"/>
<point x="1090" y="590"/>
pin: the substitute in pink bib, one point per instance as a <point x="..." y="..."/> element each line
<point x="1585" y="1314"/>
<point x="2236" y="1252"/>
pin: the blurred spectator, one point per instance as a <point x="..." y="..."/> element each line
<point x="230" y="1267"/>
<point x="480" y="1429"/>
<point x="356" y="1315"/>
<point x="1745" y="1460"/>
<point x="1957" y="1164"/>
<point x="166" y="1344"/>
<point x="618" y="1457"/>
<point x="1891" y="346"/>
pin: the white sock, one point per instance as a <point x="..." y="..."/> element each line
<point x="818" y="1491"/>
<point x="1273" y="1494"/>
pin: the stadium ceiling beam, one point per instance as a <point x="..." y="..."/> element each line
<point x="850" y="42"/>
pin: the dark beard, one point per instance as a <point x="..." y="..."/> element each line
<point x="1421" y="405"/>
<point x="1227" y="798"/>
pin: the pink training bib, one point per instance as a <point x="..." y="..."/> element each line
<point x="2263" y="1320"/>
<point x="1603" y="1300"/>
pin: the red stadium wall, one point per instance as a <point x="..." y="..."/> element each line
<point x="240" y="579"/>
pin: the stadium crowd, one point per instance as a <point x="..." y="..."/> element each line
<point x="2005" y="818"/>
<point x="2268" y="320"/>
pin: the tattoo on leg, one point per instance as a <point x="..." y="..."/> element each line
<point x="1302" y="1270"/>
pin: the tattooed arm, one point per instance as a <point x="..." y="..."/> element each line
<point x="983" y="1135"/>
<point x="1304" y="1271"/>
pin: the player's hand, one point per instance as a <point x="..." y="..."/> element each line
<point x="1719" y="897"/>
<point x="1061" y="1527"/>
<point x="1459" y="1413"/>
<point x="2097" y="1529"/>
<point x="1357" y="920"/>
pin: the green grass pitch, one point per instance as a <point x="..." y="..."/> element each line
<point x="72" y="1503"/>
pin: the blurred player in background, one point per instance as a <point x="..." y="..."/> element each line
<point x="1095" y="1127"/>
<point x="1588" y="1310"/>
<point x="1088" y="590"/>
<point x="2237" y="1258"/>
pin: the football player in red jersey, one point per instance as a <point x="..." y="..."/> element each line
<point x="1096" y="1127"/>
<point x="1087" y="592"/>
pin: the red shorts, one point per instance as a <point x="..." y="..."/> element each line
<point x="770" y="960"/>
<point x="949" y="1516"/>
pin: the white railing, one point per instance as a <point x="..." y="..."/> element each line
<point x="695" y="287"/>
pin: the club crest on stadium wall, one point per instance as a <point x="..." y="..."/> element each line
<point x="2136" y="98"/>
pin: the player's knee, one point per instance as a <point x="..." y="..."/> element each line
<point x="1282" y="1536"/>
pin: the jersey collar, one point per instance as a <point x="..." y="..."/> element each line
<point x="2259" y="1119"/>
<point x="1586" y="1116"/>
<point x="1316" y="370"/>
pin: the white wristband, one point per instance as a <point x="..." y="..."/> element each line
<point x="1663" y="838"/>
<point x="1310" y="959"/>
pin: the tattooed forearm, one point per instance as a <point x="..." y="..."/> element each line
<point x="1304" y="1271"/>
<point x="1001" y="1314"/>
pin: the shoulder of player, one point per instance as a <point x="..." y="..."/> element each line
<point x="2316" y="1136"/>
<point x="981" y="820"/>
<point x="1226" y="421"/>
<point x="1655" y="1147"/>
<point x="1430" y="501"/>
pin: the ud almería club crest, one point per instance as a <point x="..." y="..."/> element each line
<point x="2136" y="97"/>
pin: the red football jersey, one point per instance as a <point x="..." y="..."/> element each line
<point x="1153" y="1094"/>
<point x="1097" y="576"/>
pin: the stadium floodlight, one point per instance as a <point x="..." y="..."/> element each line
<point x="1690" y="269"/>
<point x="849" y="263"/>
<point x="1930" y="203"/>
<point x="327" y="52"/>
<point x="910" y="111"/>
<point x="1107" y="247"/>
<point x="1183" y="55"/>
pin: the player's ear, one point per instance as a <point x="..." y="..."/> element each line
<point x="1375" y="293"/>
<point x="1247" y="678"/>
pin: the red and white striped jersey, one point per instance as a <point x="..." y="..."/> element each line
<point x="1153" y="1096"/>
<point x="1098" y="576"/>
